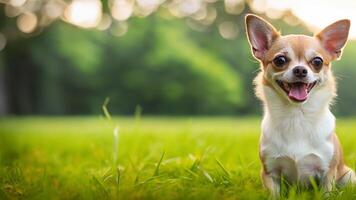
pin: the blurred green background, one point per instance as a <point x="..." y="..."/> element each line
<point x="166" y="57"/>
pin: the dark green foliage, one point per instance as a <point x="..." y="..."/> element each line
<point x="160" y="64"/>
<point x="155" y="65"/>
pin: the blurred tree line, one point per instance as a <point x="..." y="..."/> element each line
<point x="160" y="64"/>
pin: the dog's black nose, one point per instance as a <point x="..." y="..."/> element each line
<point x="300" y="71"/>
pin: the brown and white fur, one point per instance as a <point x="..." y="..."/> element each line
<point x="298" y="139"/>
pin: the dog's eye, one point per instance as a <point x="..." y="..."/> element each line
<point x="317" y="62"/>
<point x="279" y="61"/>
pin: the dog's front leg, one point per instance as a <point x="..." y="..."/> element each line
<point x="272" y="185"/>
<point x="328" y="180"/>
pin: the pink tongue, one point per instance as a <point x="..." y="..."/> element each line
<point x="298" y="92"/>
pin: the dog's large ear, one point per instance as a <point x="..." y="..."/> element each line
<point x="261" y="35"/>
<point x="334" y="37"/>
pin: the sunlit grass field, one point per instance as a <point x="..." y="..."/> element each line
<point x="141" y="158"/>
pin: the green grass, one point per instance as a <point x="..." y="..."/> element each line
<point x="156" y="158"/>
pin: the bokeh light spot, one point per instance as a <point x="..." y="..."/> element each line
<point x="146" y="7"/>
<point x="53" y="9"/>
<point x="211" y="16"/>
<point x="228" y="30"/>
<point x="234" y="7"/>
<point x="105" y="22"/>
<point x="17" y="3"/>
<point x="84" y="13"/>
<point x="27" y="22"/>
<point x="11" y="11"/>
<point x="121" y="10"/>
<point x="119" y="29"/>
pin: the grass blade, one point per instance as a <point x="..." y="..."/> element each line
<point x="222" y="167"/>
<point x="101" y="187"/>
<point x="207" y="175"/>
<point x="159" y="164"/>
<point x="105" y="109"/>
<point x="115" y="145"/>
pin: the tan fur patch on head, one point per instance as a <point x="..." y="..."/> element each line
<point x="297" y="48"/>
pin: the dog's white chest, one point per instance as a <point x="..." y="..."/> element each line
<point x="296" y="146"/>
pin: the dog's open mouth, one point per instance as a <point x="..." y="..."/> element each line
<point x="297" y="91"/>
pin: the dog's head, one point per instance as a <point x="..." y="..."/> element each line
<point x="295" y="66"/>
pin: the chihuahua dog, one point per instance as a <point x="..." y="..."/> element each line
<point x="296" y="85"/>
